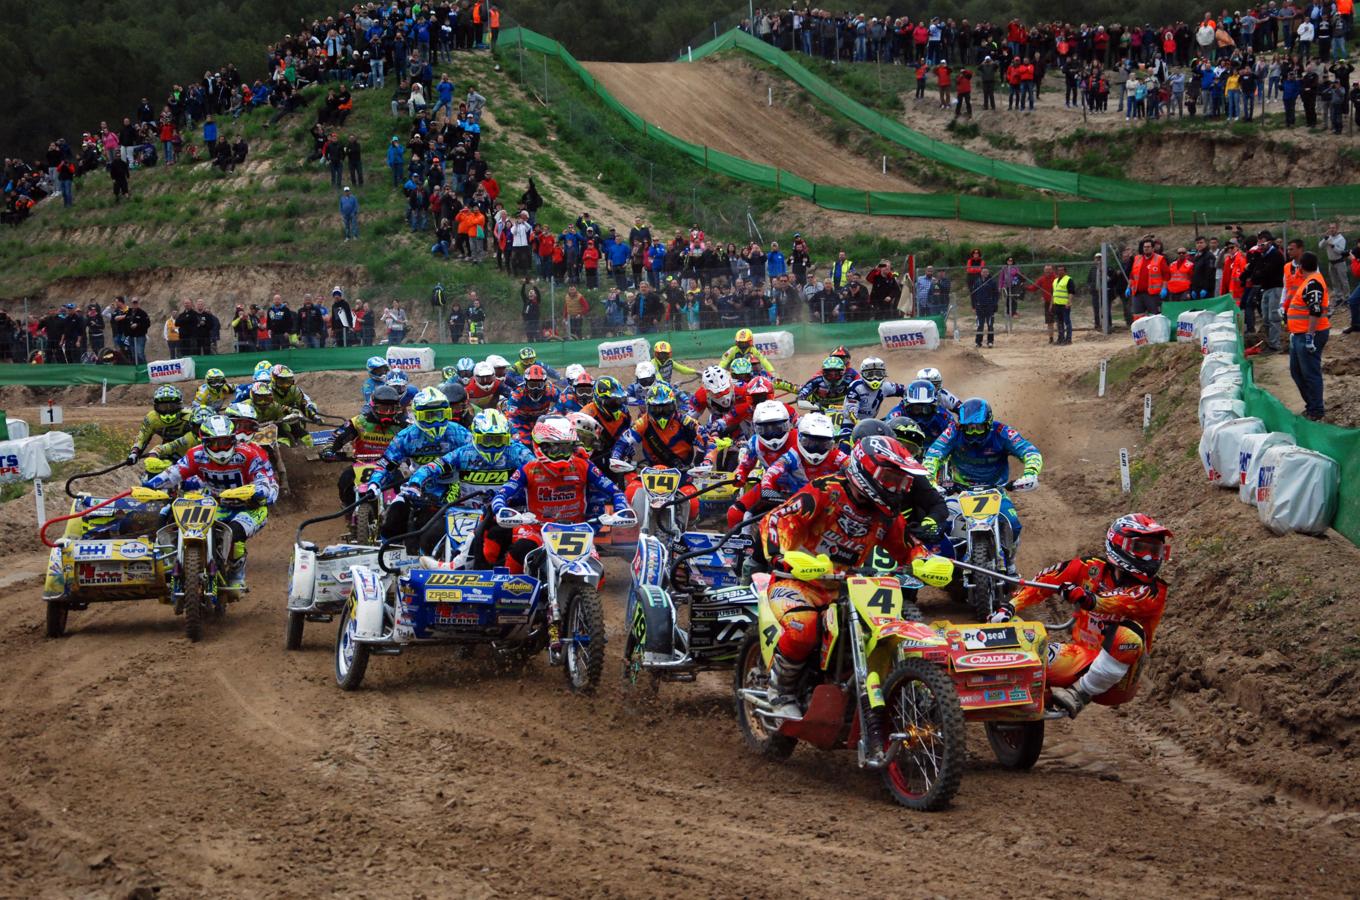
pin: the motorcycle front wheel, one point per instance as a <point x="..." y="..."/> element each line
<point x="923" y="708"/>
<point x="351" y="656"/>
<point x="751" y="674"/>
<point x="192" y="572"/>
<point x="583" y="638"/>
<point x="983" y="595"/>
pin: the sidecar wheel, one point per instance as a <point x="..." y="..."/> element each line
<point x="351" y="656"/>
<point x="1017" y="745"/>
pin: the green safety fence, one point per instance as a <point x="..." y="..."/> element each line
<point x="686" y="345"/>
<point x="1132" y="204"/>
<point x="1173" y="309"/>
<point x="1088" y="186"/>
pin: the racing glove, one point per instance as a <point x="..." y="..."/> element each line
<point x="409" y="493"/>
<point x="133" y="455"/>
<point x="927" y="531"/>
<point x="312" y="413"/>
<point x="1004" y="613"/>
<point x="1026" y="482"/>
<point x="1078" y="596"/>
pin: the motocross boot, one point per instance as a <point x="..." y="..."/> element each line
<point x="784" y="675"/>
<point x="236" y="568"/>
<point x="1071" y="700"/>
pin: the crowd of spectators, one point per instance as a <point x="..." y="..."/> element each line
<point x="1228" y="66"/>
<point x="357" y="48"/>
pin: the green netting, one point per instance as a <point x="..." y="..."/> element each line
<point x="687" y="345"/>
<point x="1172" y="309"/>
<point x="1088" y="186"/>
<point x="1120" y="202"/>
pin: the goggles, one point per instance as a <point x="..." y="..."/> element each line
<point x="491" y="439"/>
<point x="1148" y="548"/>
<point x="220" y="444"/>
<point x="773" y="429"/>
<point x="815" y="443"/>
<point x="558" y="450"/>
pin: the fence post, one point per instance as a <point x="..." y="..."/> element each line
<point x="776" y="178"/>
<point x="868" y="210"/>
<point x="1055" y="213"/>
<point x="1292" y="213"/>
<point x="1171" y="210"/>
<point x="705" y="156"/>
<point x="958" y="207"/>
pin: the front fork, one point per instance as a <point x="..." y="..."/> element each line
<point x="869" y="696"/>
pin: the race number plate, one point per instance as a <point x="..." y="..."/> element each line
<point x="568" y="545"/>
<point x="981" y="505"/>
<point x="661" y="482"/>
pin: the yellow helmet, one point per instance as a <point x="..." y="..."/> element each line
<point x="662" y="347"/>
<point x="745" y="339"/>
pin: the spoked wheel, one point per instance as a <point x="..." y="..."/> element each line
<point x="923" y="710"/>
<point x="637" y="680"/>
<point x="351" y="656"/>
<point x="365" y="524"/>
<point x="192" y="575"/>
<point x="584" y="639"/>
<point x="57" y="613"/>
<point x="1017" y="745"/>
<point x="984" y="594"/>
<point x="751" y="674"/>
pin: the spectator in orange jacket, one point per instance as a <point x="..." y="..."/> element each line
<point x="1234" y="264"/>
<point x="1147" y="281"/>
<point x="1181" y="270"/>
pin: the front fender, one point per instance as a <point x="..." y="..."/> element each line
<point x="587" y="570"/>
<point x="650" y="561"/>
<point x="657" y="612"/>
<point x="368" y="599"/>
<point x="302" y="578"/>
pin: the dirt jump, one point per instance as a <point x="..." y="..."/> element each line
<point x="723" y="105"/>
<point x="137" y="764"/>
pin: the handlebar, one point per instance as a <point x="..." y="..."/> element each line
<point x="727" y="536"/>
<point x="42" y="532"/>
<point x="389" y="542"/>
<point x="1009" y="579"/>
<point x="82" y="475"/>
<point x="297" y="539"/>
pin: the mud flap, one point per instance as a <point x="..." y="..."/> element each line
<point x="302" y="578"/>
<point x="368" y="604"/>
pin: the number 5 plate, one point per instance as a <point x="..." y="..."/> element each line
<point x="568" y="545"/>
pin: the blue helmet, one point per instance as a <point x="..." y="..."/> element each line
<point x="661" y="404"/>
<point x="920" y="400"/>
<point x="464" y="367"/>
<point x="975" y="419"/>
<point x="398" y="378"/>
<point x="377" y="366"/>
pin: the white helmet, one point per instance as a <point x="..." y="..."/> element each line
<point x="932" y="375"/>
<point x="645" y="373"/>
<point x="573" y="371"/>
<point x="874" y="371"/>
<point x="498" y="362"/>
<point x="484" y="375"/>
<point x="771" y="424"/>
<point x="718" y="383"/>
<point x="219" y="438"/>
<point x="816" y="437"/>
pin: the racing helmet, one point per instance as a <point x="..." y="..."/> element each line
<point x="816" y="437"/>
<point x="216" y="379"/>
<point x="555" y="443"/>
<point x="168" y="403"/>
<point x="759" y="389"/>
<point x="879" y="472"/>
<point x="874" y="372"/>
<point x="661" y="405"/>
<point x="744" y="339"/>
<point x="741" y="370"/>
<point x="572" y="372"/>
<point x="609" y="396"/>
<point x="499" y="364"/>
<point x="662" y="351"/>
<point x="975" y="420"/>
<point x="718" y="384"/>
<point x="842" y="353"/>
<point x="588" y="431"/>
<point x="199" y="415"/>
<point x="869" y="427"/>
<point x="833" y="369"/>
<point x="535" y="382"/>
<point x="933" y="375"/>
<point x="645" y="373"/>
<point x="431" y="412"/>
<point x="457" y="397"/>
<point x="281" y="380"/>
<point x="385" y="404"/>
<point x="909" y="434"/>
<point x="582" y="387"/>
<point x="490" y="432"/>
<point x="219" y="438"/>
<point x="770" y="422"/>
<point x="449" y="373"/>
<point x="484" y="376"/>
<point x="1139" y="545"/>
<point x="377" y="367"/>
<point x="464" y="367"/>
<point x="528" y="356"/>
<point x="260" y="395"/>
<point x="243" y="418"/>
<point x="263" y="366"/>
<point x="920" y="400"/>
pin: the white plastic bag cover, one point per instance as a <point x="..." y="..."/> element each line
<point x="1217" y="331"/>
<point x="1220" y="390"/>
<point x="1189" y="324"/>
<point x="1249" y="455"/>
<point x="1221" y="409"/>
<point x="1213" y="364"/>
<point x="1227" y="443"/>
<point x="1151" y="330"/>
<point x="1303" y="494"/>
<point x="1206" y="450"/>
<point x="1226" y="376"/>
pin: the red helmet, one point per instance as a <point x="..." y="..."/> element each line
<point x="535" y="381"/>
<point x="1137" y="544"/>
<point x="880" y="471"/>
<point x="758" y="386"/>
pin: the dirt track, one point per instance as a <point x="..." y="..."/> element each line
<point x="719" y="104"/>
<point x="132" y="759"/>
